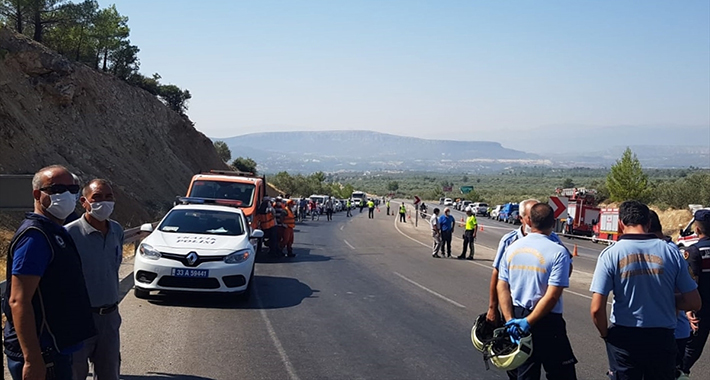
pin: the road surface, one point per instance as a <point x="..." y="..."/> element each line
<point x="363" y="299"/>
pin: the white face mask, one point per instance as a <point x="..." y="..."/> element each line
<point x="101" y="210"/>
<point x="62" y="204"/>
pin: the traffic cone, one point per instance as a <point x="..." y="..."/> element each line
<point x="574" y="252"/>
<point x="462" y="218"/>
<point x="481" y="228"/>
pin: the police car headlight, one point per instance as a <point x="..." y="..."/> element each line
<point x="237" y="257"/>
<point x="149" y="252"/>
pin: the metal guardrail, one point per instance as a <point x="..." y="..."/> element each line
<point x="130" y="236"/>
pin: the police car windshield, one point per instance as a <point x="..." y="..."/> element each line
<point x="238" y="191"/>
<point x="206" y="222"/>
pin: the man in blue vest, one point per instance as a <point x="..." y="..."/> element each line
<point x="650" y="282"/>
<point x="46" y="302"/>
<point x="447" y="223"/>
<point x="698" y="256"/>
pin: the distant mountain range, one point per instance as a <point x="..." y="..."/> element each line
<point x="334" y="151"/>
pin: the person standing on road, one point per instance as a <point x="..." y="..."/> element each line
<point x="348" y="206"/>
<point x="436" y="232"/>
<point x="370" y="209"/>
<point x="287" y="227"/>
<point x="682" y="330"/>
<point x="302" y="207"/>
<point x="388" y="206"/>
<point x="99" y="241"/>
<point x="362" y="205"/>
<point x="265" y="220"/>
<point x="698" y="256"/>
<point x="644" y="273"/>
<point x="447" y="223"/>
<point x="329" y="208"/>
<point x="46" y="302"/>
<point x="534" y="272"/>
<point x="469" y="235"/>
<point x="402" y="213"/>
<point x="493" y="314"/>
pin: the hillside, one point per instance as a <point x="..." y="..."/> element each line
<point x="54" y="111"/>
<point x="367" y="150"/>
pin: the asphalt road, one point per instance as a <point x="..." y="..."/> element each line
<point x="363" y="299"/>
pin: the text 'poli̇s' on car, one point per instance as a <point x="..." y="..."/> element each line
<point x="201" y="245"/>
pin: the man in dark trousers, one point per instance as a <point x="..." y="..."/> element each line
<point x="46" y="302"/>
<point x="370" y="209"/>
<point x="698" y="256"/>
<point x="650" y="282"/>
<point x="402" y="213"/>
<point x="469" y="235"/>
<point x="447" y="223"/>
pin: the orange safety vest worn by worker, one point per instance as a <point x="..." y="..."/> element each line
<point x="264" y="221"/>
<point x="289" y="218"/>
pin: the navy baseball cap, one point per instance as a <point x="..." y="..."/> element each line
<point x="702" y="215"/>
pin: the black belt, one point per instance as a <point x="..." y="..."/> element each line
<point x="103" y="310"/>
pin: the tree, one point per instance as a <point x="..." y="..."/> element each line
<point x="393" y="186"/>
<point x="245" y="164"/>
<point x="568" y="183"/>
<point x="175" y="98"/>
<point x="15" y="12"/>
<point x="464" y="179"/>
<point x="43" y="13"/>
<point x="223" y="150"/>
<point x="111" y="34"/>
<point x="626" y="179"/>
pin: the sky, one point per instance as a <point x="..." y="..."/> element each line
<point x="466" y="70"/>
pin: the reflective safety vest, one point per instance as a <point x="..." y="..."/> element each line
<point x="348" y="203"/>
<point x="289" y="218"/>
<point x="371" y="204"/>
<point x="388" y="204"/>
<point x="471" y="223"/>
<point x="264" y="221"/>
<point x="402" y="209"/>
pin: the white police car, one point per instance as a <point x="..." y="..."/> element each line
<point x="197" y="247"/>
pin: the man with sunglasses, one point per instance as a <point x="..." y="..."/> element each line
<point x="46" y="302"/>
<point x="100" y="244"/>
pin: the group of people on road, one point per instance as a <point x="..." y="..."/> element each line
<point x="442" y="230"/>
<point x="659" y="297"/>
<point x="277" y="218"/>
<point x="61" y="300"/>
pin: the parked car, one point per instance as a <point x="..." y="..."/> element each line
<point x="513" y="218"/>
<point x="448" y="202"/>
<point x="200" y="246"/>
<point x="441" y="201"/>
<point x="494" y="213"/>
<point x="480" y="208"/>
<point x="505" y="212"/>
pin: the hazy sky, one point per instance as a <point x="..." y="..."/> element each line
<point x="428" y="68"/>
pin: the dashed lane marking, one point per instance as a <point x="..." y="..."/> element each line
<point x="449" y="300"/>
<point x="348" y="244"/>
<point x="341" y="227"/>
<point x="275" y="339"/>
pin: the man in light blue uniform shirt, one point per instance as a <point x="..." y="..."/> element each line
<point x="644" y="273"/>
<point x="533" y="274"/>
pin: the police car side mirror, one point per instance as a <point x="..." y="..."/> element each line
<point x="257" y="234"/>
<point x="146" y="227"/>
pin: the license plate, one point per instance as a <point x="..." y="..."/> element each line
<point x="178" y="272"/>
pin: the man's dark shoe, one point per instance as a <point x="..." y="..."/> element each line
<point x="435" y="256"/>
<point x="461" y="257"/>
<point x="469" y="258"/>
<point x="291" y="255"/>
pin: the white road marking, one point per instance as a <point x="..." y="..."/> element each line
<point x="449" y="300"/>
<point x="275" y="339"/>
<point x="348" y="244"/>
<point x="341" y="227"/>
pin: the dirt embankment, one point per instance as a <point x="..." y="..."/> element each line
<point x="54" y="111"/>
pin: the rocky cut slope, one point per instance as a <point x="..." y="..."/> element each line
<point x="54" y="111"/>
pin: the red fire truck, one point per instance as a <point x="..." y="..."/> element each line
<point x="582" y="210"/>
<point x="607" y="229"/>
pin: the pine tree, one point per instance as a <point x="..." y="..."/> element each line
<point x="627" y="181"/>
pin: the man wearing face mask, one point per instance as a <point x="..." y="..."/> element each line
<point x="100" y="244"/>
<point x="46" y="301"/>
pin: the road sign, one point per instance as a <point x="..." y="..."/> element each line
<point x="447" y="189"/>
<point x="417" y="200"/>
<point x="466" y="189"/>
<point x="559" y="207"/>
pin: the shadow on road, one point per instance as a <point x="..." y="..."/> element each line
<point x="161" y="375"/>
<point x="302" y="255"/>
<point x="274" y="293"/>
